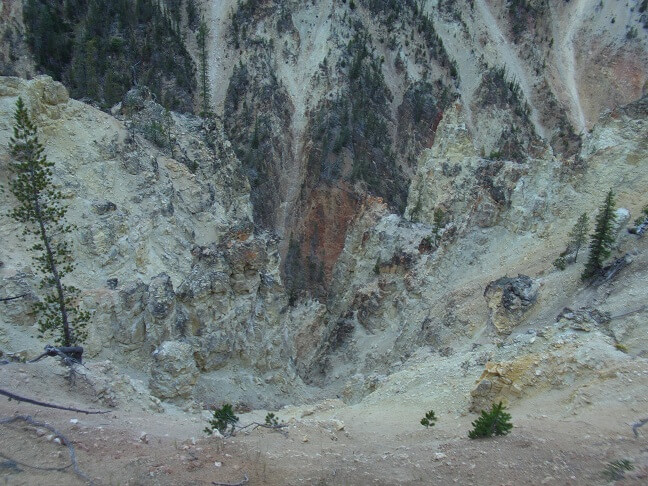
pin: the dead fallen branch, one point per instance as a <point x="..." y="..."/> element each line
<point x="64" y="440"/>
<point x="241" y="483"/>
<point x="635" y="311"/>
<point x="255" y="425"/>
<point x="609" y="272"/>
<point x="40" y="468"/>
<point x="636" y="426"/>
<point x="7" y="299"/>
<point x="18" y="398"/>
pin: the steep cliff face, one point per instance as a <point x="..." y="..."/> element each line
<point x="327" y="102"/>
<point x="331" y="101"/>
<point x="436" y="278"/>
<point x="367" y="183"/>
<point x="324" y="107"/>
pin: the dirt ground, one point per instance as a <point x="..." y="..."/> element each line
<point x="557" y="440"/>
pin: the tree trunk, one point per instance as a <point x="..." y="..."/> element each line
<point x="67" y="339"/>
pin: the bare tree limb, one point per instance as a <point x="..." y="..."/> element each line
<point x="640" y="309"/>
<point x="636" y="426"/>
<point x="255" y="425"/>
<point x="7" y="299"/>
<point x="64" y="440"/>
<point x="18" y="398"/>
<point x="241" y="483"/>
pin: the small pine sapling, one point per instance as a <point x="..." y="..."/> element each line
<point x="429" y="420"/>
<point x="439" y="217"/>
<point x="641" y="223"/>
<point x="271" y="420"/>
<point x="560" y="263"/>
<point x="643" y="217"/>
<point x="222" y="419"/>
<point x="495" y="422"/>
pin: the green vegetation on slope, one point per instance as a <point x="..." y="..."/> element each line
<point x="101" y="48"/>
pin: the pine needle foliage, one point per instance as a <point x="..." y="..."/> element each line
<point x="222" y="419"/>
<point x="616" y="470"/>
<point x="41" y="211"/>
<point x="429" y="420"/>
<point x="603" y="238"/>
<point x="271" y="420"/>
<point x="495" y="422"/>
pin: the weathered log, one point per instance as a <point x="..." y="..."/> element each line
<point x="70" y="354"/>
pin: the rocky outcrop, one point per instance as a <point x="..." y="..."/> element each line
<point x="582" y="319"/>
<point x="454" y="179"/>
<point x="509" y="301"/>
<point x="501" y="382"/>
<point x="165" y="249"/>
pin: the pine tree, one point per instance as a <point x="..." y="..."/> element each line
<point x="578" y="234"/>
<point x="495" y="422"/>
<point x="429" y="420"/>
<point x="222" y="419"/>
<point x="43" y="215"/>
<point x="201" y="37"/>
<point x="602" y="239"/>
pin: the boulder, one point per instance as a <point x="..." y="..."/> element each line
<point x="509" y="300"/>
